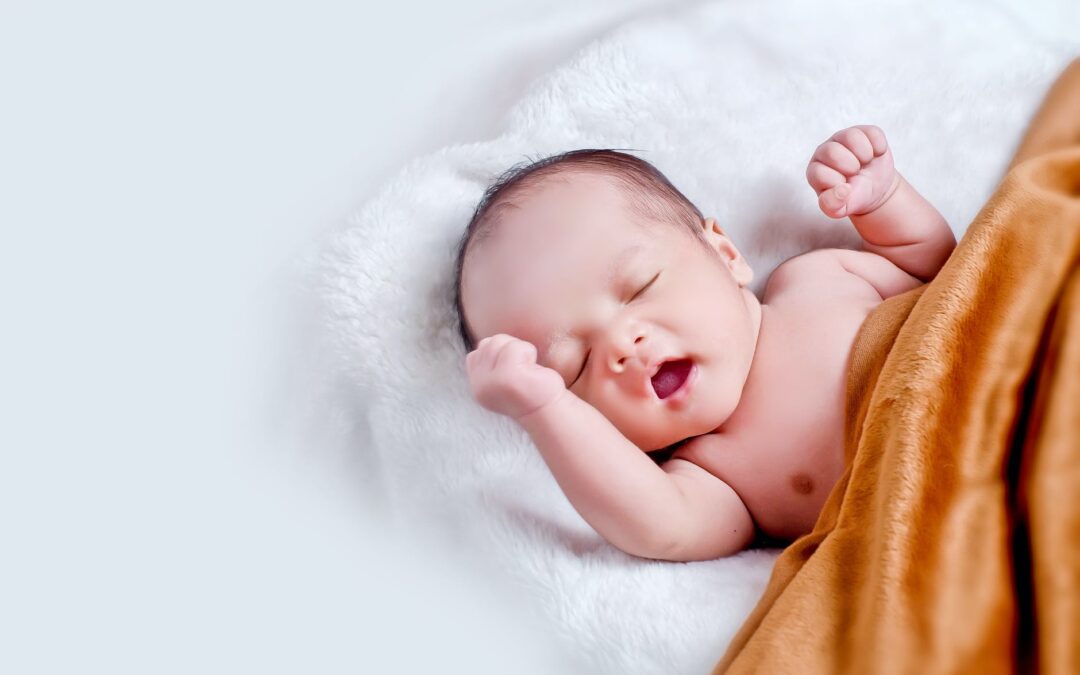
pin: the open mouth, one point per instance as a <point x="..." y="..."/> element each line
<point x="671" y="377"/>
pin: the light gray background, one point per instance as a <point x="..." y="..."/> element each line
<point x="161" y="168"/>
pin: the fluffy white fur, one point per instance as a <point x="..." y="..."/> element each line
<point x="729" y="99"/>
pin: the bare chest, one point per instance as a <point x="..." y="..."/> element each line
<point x="782" y="450"/>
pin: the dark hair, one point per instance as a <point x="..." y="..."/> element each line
<point x="648" y="192"/>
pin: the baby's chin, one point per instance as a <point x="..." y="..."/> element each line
<point x="652" y="443"/>
<point x="670" y="430"/>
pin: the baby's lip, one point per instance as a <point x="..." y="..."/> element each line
<point x="653" y="367"/>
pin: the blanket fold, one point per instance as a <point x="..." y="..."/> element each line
<point x="952" y="542"/>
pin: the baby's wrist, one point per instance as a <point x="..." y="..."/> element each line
<point x="544" y="410"/>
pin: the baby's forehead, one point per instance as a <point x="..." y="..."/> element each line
<point x="573" y="196"/>
<point x="535" y="294"/>
<point x="575" y="218"/>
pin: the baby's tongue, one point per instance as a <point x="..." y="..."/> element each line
<point x="670" y="377"/>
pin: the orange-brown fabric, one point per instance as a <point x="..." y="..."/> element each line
<point x="952" y="542"/>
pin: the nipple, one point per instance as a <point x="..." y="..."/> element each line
<point x="802" y="484"/>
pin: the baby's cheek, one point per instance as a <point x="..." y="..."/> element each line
<point x="637" y="425"/>
<point x="633" y="421"/>
<point x="606" y="406"/>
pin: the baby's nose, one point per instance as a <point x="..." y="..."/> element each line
<point x="626" y="354"/>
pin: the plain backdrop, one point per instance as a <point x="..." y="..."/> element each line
<point x="162" y="168"/>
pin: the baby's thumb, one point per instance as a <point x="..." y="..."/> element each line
<point x="518" y="352"/>
<point x="834" y="201"/>
<point x="862" y="195"/>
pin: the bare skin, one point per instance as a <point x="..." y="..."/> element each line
<point x="582" y="317"/>
<point x="782" y="450"/>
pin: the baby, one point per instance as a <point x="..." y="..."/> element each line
<point x="610" y="319"/>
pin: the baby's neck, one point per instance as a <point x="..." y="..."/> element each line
<point x="765" y="321"/>
<point x="757" y="313"/>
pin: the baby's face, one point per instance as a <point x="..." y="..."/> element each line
<point x="642" y="321"/>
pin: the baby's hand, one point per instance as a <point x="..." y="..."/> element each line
<point x="506" y="379"/>
<point x="853" y="172"/>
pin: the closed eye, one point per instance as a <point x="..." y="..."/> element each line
<point x="584" y="363"/>
<point x="645" y="287"/>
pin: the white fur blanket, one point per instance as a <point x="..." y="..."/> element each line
<point x="729" y="99"/>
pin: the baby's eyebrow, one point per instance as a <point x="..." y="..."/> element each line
<point x="619" y="262"/>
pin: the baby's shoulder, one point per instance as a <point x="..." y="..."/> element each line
<point x="811" y="272"/>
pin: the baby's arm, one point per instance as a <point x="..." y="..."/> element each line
<point x="671" y="513"/>
<point x="854" y="175"/>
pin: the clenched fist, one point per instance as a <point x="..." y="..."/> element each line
<point x="853" y="172"/>
<point x="506" y="379"/>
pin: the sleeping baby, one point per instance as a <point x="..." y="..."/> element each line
<point x="610" y="319"/>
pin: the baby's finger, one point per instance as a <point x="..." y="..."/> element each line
<point x="476" y="363"/>
<point x="474" y="358"/>
<point x="488" y="349"/>
<point x="835" y="155"/>
<point x="855" y="140"/>
<point x="516" y="352"/>
<point x="833" y="202"/>
<point x="822" y="177"/>
<point x="876" y="137"/>
<point x="862" y="192"/>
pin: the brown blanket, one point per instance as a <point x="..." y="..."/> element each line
<point x="952" y="542"/>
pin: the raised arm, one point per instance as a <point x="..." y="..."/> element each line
<point x="637" y="506"/>
<point x="854" y="175"/>
<point x="677" y="512"/>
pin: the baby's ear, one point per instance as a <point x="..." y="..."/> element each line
<point x="719" y="241"/>
<point x="711" y="228"/>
